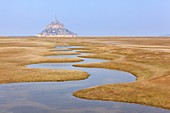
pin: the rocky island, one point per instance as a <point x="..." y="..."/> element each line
<point x="56" y="29"/>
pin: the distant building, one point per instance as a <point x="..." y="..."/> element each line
<point x="56" y="29"/>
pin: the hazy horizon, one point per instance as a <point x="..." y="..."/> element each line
<point x="87" y="18"/>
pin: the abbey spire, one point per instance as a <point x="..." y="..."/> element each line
<point x="56" y="29"/>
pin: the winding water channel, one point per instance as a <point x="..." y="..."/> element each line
<point x="56" y="97"/>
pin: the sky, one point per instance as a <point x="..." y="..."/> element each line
<point x="86" y="17"/>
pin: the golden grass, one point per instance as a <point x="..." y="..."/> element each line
<point x="151" y="66"/>
<point x="147" y="58"/>
<point x="16" y="53"/>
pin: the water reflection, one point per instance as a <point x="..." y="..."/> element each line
<point x="56" y="97"/>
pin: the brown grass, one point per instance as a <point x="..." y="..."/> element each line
<point x="148" y="58"/>
<point x="151" y="66"/>
<point x="16" y="53"/>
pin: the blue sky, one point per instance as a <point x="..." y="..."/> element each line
<point x="87" y="17"/>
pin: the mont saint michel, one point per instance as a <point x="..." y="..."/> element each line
<point x="118" y="63"/>
<point x="56" y="29"/>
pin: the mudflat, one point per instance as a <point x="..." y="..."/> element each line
<point x="148" y="58"/>
<point x="16" y="53"/>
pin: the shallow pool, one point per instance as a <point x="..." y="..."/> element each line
<point x="56" y="97"/>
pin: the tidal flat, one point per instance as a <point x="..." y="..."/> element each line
<point x="148" y="58"/>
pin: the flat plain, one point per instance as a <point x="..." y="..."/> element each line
<point x="148" y="58"/>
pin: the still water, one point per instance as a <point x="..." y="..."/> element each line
<point x="56" y="97"/>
